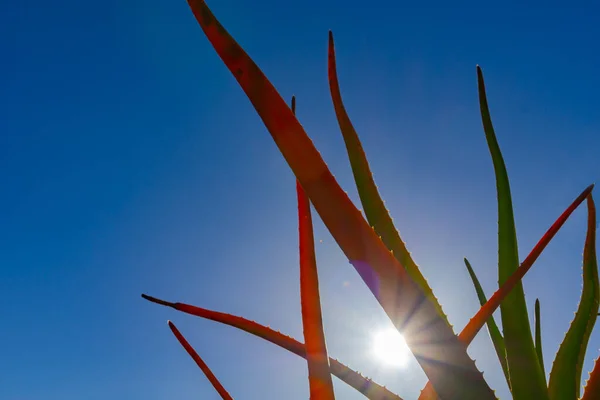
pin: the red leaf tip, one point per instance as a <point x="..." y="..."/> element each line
<point x="158" y="301"/>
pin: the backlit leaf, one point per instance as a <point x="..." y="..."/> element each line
<point x="319" y="377"/>
<point x="487" y="310"/>
<point x="367" y="387"/>
<point x="433" y="343"/>
<point x="209" y="374"/>
<point x="538" y="336"/>
<point x="565" y="377"/>
<point x="592" y="386"/>
<point x="373" y="205"/>
<point x="527" y="379"/>
<point x="495" y="334"/>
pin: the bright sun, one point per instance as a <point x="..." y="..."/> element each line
<point x="390" y="347"/>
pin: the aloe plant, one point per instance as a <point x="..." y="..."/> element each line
<point x="375" y="249"/>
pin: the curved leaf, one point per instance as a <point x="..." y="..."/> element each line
<point x="319" y="377"/>
<point x="565" y="377"/>
<point x="477" y="322"/>
<point x="431" y="339"/>
<point x="487" y="310"/>
<point x="538" y="336"/>
<point x="190" y="350"/>
<point x="373" y="205"/>
<point x="365" y="386"/>
<point x="527" y="379"/>
<point x="495" y="334"/>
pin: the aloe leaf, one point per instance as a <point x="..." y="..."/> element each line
<point x="319" y="377"/>
<point x="592" y="386"/>
<point x="321" y="387"/>
<point x="538" y="336"/>
<point x="495" y="334"/>
<point x="367" y="387"/>
<point x="431" y="339"/>
<point x="377" y="214"/>
<point x="487" y="310"/>
<point x="479" y="319"/>
<point x="209" y="374"/>
<point x="565" y="377"/>
<point x="527" y="379"/>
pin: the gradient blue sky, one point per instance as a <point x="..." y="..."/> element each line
<point x="131" y="161"/>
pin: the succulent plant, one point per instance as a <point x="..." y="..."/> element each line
<point x="375" y="249"/>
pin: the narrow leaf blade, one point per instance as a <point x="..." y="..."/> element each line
<point x="495" y="335"/>
<point x="367" y="387"/>
<point x="538" y="336"/>
<point x="377" y="214"/>
<point x="209" y="374"/>
<point x="565" y="377"/>
<point x="487" y="310"/>
<point x="431" y="339"/>
<point x="319" y="377"/>
<point x="477" y="322"/>
<point x="527" y="380"/>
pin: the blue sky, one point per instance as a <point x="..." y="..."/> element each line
<point x="131" y="162"/>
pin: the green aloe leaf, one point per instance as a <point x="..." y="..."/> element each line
<point x="377" y="214"/>
<point x="565" y="377"/>
<point x="200" y="363"/>
<point x="487" y="310"/>
<point x="538" y="336"/>
<point x="527" y="379"/>
<point x="441" y="355"/>
<point x="495" y="334"/>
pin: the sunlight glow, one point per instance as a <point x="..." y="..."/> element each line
<point x="390" y="347"/>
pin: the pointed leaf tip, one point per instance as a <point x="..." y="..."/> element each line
<point x="527" y="380"/>
<point x="468" y="333"/>
<point x="494" y="331"/>
<point x="319" y="376"/>
<point x="200" y="363"/>
<point x="370" y="389"/>
<point x="158" y="301"/>
<point x="565" y="376"/>
<point x="449" y="367"/>
<point x="538" y="336"/>
<point x="377" y="214"/>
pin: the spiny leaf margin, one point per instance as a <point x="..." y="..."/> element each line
<point x="367" y="387"/>
<point x="495" y="335"/>
<point x="565" y="377"/>
<point x="479" y="319"/>
<point x="373" y="205"/>
<point x="527" y="379"/>
<point x="437" y="349"/>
